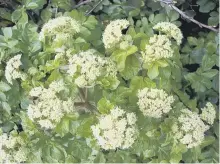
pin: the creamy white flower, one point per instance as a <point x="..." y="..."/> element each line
<point x="61" y="28"/>
<point x="189" y="129"/>
<point x="12" y="69"/>
<point x="90" y="68"/>
<point x="154" y="102"/>
<point x="208" y="113"/>
<point x="171" y="30"/>
<point x="48" y="109"/>
<point x="159" y="47"/>
<point x="113" y="32"/>
<point x="12" y="149"/>
<point x="116" y="130"/>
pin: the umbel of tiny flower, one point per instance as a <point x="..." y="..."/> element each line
<point x="189" y="129"/>
<point x="90" y="68"/>
<point x="48" y="109"/>
<point x="113" y="32"/>
<point x="116" y="130"/>
<point x="12" y="149"/>
<point x="208" y="113"/>
<point x="154" y="102"/>
<point x="170" y="30"/>
<point x="159" y="47"/>
<point x="60" y="28"/>
<point x="12" y="71"/>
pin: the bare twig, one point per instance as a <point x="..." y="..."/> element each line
<point x="168" y="2"/>
<point x="82" y="3"/>
<point x="94" y="8"/>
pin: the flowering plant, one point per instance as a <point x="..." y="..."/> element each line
<point x="75" y="88"/>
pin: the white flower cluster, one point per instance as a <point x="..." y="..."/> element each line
<point x="159" y="47"/>
<point x="116" y="130"/>
<point x="189" y="129"/>
<point x="154" y="102"/>
<point x="208" y="113"/>
<point x="90" y="67"/>
<point x="113" y="32"/>
<point x="12" y="149"/>
<point x="48" y="109"/>
<point x="171" y="30"/>
<point x="61" y="28"/>
<point x="12" y="69"/>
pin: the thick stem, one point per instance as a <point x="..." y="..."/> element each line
<point x="170" y="3"/>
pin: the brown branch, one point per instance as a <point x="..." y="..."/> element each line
<point x="89" y="12"/>
<point x="82" y="3"/>
<point x="189" y="18"/>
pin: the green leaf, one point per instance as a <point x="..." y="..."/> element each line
<point x="205" y="6"/>
<point x="192" y="41"/>
<point x="207" y="141"/>
<point x="5" y="14"/>
<point x="210" y="73"/>
<point x="16" y="15"/>
<point x="46" y="14"/>
<point x="100" y="158"/>
<point x="173" y="15"/>
<point x="2" y="96"/>
<point x="84" y="129"/>
<point x="208" y="62"/>
<point x="91" y="22"/>
<point x="132" y="66"/>
<point x="119" y="56"/>
<point x="31" y="5"/>
<point x="63" y="127"/>
<point x="213" y="19"/>
<point x="153" y="71"/>
<point x="6" y="107"/>
<point x="56" y="152"/>
<point x="79" y="149"/>
<point x="7" y="31"/>
<point x="104" y="106"/>
<point x="4" y="87"/>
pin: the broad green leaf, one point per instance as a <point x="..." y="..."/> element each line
<point x="153" y="71"/>
<point x="84" y="129"/>
<point x="46" y="14"/>
<point x="4" y="87"/>
<point x="205" y="5"/>
<point x="132" y="66"/>
<point x="16" y="15"/>
<point x="6" y="107"/>
<point x="208" y="62"/>
<point x="79" y="149"/>
<point x="57" y="153"/>
<point x="207" y="141"/>
<point x="119" y="56"/>
<point x="2" y="96"/>
<point x="104" y="106"/>
<point x="7" y="31"/>
<point x="5" y="14"/>
<point x="63" y="127"/>
<point x="173" y="15"/>
<point x="210" y="73"/>
<point x="91" y="22"/>
<point x="100" y="158"/>
<point x="192" y="41"/>
<point x="31" y="5"/>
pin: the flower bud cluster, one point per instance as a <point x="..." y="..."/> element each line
<point x="116" y="130"/>
<point x="12" y="71"/>
<point x="170" y="30"/>
<point x="47" y="108"/>
<point x="189" y="129"/>
<point x="90" y="68"/>
<point x="154" y="102"/>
